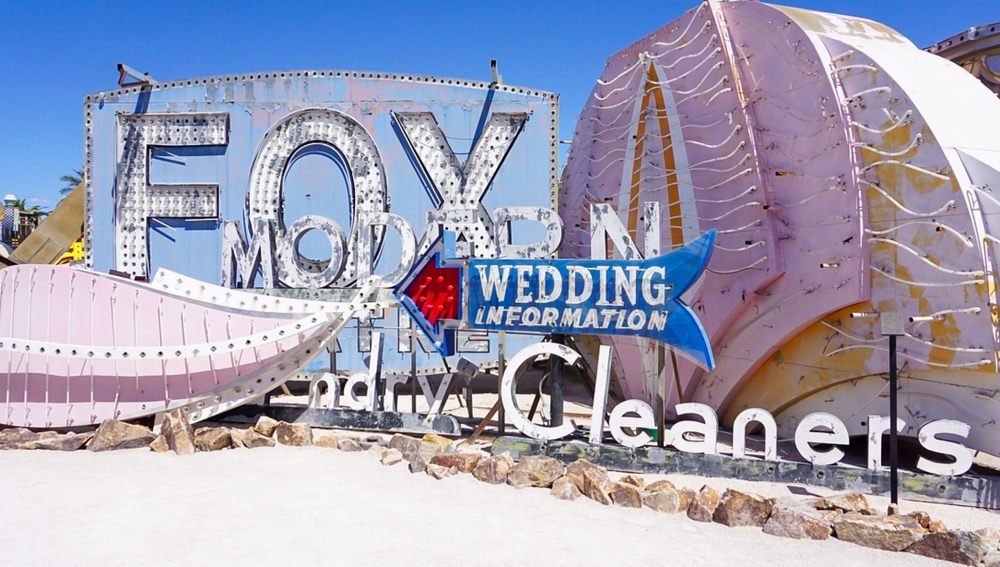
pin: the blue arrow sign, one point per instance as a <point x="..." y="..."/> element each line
<point x="603" y="297"/>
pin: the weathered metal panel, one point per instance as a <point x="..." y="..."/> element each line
<point x="169" y="165"/>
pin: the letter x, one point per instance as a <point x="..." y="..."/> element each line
<point x="459" y="188"/>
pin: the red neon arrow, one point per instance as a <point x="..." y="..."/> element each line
<point x="435" y="292"/>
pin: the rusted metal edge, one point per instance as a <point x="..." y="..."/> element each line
<point x="965" y="490"/>
<point x="386" y="421"/>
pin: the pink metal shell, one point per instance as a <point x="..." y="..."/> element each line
<point x="78" y="347"/>
<point x="844" y="169"/>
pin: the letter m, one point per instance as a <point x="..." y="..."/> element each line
<point x="240" y="261"/>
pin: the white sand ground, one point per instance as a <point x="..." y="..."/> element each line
<point x="316" y="506"/>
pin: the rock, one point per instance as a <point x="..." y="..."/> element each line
<point x="597" y="486"/>
<point x="372" y="441"/>
<point x="349" y="445"/>
<point x="375" y="450"/>
<point x="992" y="559"/>
<point x="391" y="457"/>
<point x="439" y="472"/>
<point x="212" y="439"/>
<point x="565" y="489"/>
<point x="535" y="470"/>
<point x="849" y="502"/>
<point x="432" y="445"/>
<point x="178" y="432"/>
<point x="659" y="485"/>
<point x="626" y="495"/>
<point x="252" y="439"/>
<point x="159" y="445"/>
<point x="636" y="481"/>
<point x="737" y="509"/>
<point x="662" y="497"/>
<point x="69" y="442"/>
<point x="702" y="508"/>
<point x="936" y="526"/>
<point x="113" y="435"/>
<point x="463" y="462"/>
<point x="418" y="464"/>
<point x="293" y="434"/>
<point x="328" y="441"/>
<point x="797" y="521"/>
<point x="955" y="546"/>
<point x="991" y="539"/>
<point x="685" y="496"/>
<point x="922" y="518"/>
<point x="265" y="426"/>
<point x="237" y="436"/>
<point x="405" y="444"/>
<point x="891" y="533"/>
<point x="18" y="435"/>
<point x="494" y="469"/>
<point x="575" y="471"/>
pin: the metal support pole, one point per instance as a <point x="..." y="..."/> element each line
<point x="413" y="367"/>
<point x="661" y="394"/>
<point x="501" y="368"/>
<point x="893" y="434"/>
<point x="557" y="380"/>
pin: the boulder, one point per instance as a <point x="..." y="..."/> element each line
<point x="237" y="436"/>
<point x="212" y="439"/>
<point x="178" y="432"/>
<point x="494" y="469"/>
<point x="796" y="520"/>
<point x="265" y="426"/>
<point x="849" y="502"/>
<point x="992" y="559"/>
<point x="112" y="435"/>
<point x="391" y="457"/>
<point x="418" y="464"/>
<point x="18" y="435"/>
<point x="375" y="450"/>
<point x="597" y="486"/>
<point x="626" y="495"/>
<point x="685" y="497"/>
<point x="955" y="546"/>
<point x="936" y="526"/>
<point x="432" y="445"/>
<point x="636" y="481"/>
<point x="159" y="445"/>
<point x="439" y="472"/>
<point x="68" y="442"/>
<point x="565" y="489"/>
<point x="702" y="508"/>
<point x="252" y="439"/>
<point x="463" y="462"/>
<point x="891" y="533"/>
<point x="349" y="445"/>
<point x="575" y="471"/>
<point x="293" y="434"/>
<point x="535" y="470"/>
<point x="405" y="444"/>
<point x="991" y="539"/>
<point x="328" y="441"/>
<point x="662" y="497"/>
<point x="737" y="509"/>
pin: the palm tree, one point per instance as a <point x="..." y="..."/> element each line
<point x="22" y="206"/>
<point x="71" y="181"/>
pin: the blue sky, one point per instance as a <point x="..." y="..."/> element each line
<point x="53" y="53"/>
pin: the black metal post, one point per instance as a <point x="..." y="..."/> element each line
<point x="661" y="394"/>
<point x="556" y="379"/>
<point x="501" y="368"/>
<point x="413" y="367"/>
<point x="893" y="434"/>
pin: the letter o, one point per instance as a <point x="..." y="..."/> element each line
<point x="294" y="268"/>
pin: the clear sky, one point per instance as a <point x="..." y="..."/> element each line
<point x="53" y="53"/>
